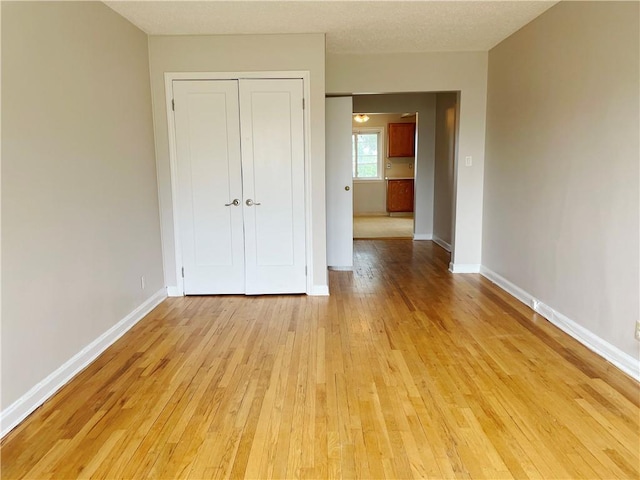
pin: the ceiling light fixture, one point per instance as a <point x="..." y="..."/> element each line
<point x="360" y="118"/>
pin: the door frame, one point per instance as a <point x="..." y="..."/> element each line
<point x="169" y="77"/>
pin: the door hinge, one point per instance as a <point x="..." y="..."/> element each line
<point x="173" y="105"/>
<point x="182" y="272"/>
<point x="305" y="271"/>
<point x="303" y="103"/>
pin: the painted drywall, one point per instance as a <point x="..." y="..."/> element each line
<point x="433" y="72"/>
<point x="80" y="219"/>
<point x="424" y="105"/>
<point x="445" y="149"/>
<point x="239" y="53"/>
<point x="561" y="177"/>
<point x="370" y="196"/>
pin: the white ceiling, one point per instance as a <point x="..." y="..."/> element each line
<point x="356" y="26"/>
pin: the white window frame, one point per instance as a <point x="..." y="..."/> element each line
<point x="380" y="132"/>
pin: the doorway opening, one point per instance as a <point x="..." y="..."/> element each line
<point x="430" y="169"/>
<point x="383" y="168"/>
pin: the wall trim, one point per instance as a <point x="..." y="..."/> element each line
<point x="319" y="291"/>
<point x="464" y="267"/>
<point x="174" y="291"/>
<point x="341" y="269"/>
<point x="42" y="391"/>
<point x="422" y="236"/>
<point x="611" y="353"/>
<point x="442" y="243"/>
<point x="507" y="286"/>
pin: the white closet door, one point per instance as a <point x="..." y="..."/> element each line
<point x="271" y="114"/>
<point x="209" y="172"/>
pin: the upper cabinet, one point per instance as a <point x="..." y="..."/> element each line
<point x="402" y="139"/>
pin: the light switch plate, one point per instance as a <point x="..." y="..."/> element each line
<point x="468" y="161"/>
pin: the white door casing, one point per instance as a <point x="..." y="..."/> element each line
<point x="207" y="129"/>
<point x="256" y="244"/>
<point x="339" y="111"/>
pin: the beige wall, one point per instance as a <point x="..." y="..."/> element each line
<point x="433" y="72"/>
<point x="561" y="210"/>
<point x="238" y="53"/>
<point x="80" y="219"/>
<point x="445" y="149"/>
<point x="424" y="105"/>
<point x="370" y="196"/>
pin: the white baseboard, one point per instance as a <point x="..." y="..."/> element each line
<point x="422" y="236"/>
<point x="41" y="392"/>
<point x="174" y="291"/>
<point x="442" y="243"/>
<point x="622" y="360"/>
<point x="508" y="287"/>
<point x="342" y="269"/>
<point x="319" y="291"/>
<point x="464" y="268"/>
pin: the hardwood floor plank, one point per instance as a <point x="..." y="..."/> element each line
<point x="405" y="371"/>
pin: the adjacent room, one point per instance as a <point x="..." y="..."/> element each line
<point x="182" y="295"/>
<point x="384" y="157"/>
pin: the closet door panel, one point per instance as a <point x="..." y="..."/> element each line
<point x="273" y="179"/>
<point x="209" y="178"/>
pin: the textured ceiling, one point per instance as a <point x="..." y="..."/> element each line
<point x="357" y="26"/>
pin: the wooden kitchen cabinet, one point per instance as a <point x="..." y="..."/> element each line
<point x="402" y="139"/>
<point x="400" y="195"/>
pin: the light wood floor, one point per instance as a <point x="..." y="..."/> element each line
<point x="406" y="371"/>
<point x="382" y="226"/>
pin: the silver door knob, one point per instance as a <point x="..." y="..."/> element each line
<point x="250" y="202"/>
<point x="235" y="203"/>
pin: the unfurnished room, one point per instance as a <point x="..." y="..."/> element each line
<point x="320" y="239"/>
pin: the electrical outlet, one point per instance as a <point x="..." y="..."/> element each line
<point x="637" y="334"/>
<point x="142" y="282"/>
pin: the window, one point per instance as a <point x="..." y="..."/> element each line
<point x="366" y="150"/>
